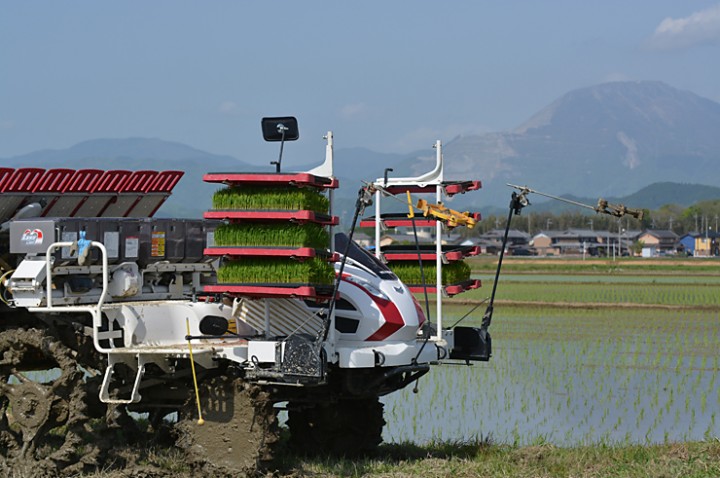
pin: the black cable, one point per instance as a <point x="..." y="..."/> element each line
<point x="517" y="202"/>
<point x="426" y="326"/>
<point x="422" y="269"/>
<point x="469" y="312"/>
<point x="362" y="201"/>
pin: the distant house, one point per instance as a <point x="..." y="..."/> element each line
<point x="363" y="239"/>
<point x="578" y="241"/>
<point x="627" y="239"/>
<point x="571" y="241"/>
<point x="424" y="232"/>
<point x="543" y="243"/>
<point x="491" y="241"/>
<point x="660" y="241"/>
<point x="687" y="243"/>
<point x="707" y="244"/>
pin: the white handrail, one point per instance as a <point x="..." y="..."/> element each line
<point x="94" y="310"/>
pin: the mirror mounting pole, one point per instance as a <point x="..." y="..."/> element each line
<point x="387" y="170"/>
<point x="281" y="129"/>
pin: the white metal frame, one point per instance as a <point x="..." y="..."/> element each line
<point x="433" y="177"/>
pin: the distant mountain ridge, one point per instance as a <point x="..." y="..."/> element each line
<point x="111" y="149"/>
<point x="610" y="140"/>
<point x="191" y="196"/>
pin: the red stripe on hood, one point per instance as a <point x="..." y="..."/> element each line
<point x="391" y="314"/>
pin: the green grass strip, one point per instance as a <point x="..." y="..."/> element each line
<point x="272" y="235"/>
<point x="409" y="272"/>
<point x="690" y="295"/>
<point x="283" y="198"/>
<point x="470" y="460"/>
<point x="276" y="271"/>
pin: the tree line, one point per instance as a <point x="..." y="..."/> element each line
<point x="701" y="217"/>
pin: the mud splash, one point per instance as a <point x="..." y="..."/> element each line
<point x="50" y="428"/>
<point x="239" y="431"/>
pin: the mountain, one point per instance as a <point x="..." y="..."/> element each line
<point x="190" y="197"/>
<point x="606" y="140"/>
<point x="118" y="149"/>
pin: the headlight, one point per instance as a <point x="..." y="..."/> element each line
<point x="367" y="286"/>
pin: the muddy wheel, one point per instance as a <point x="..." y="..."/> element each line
<point x="239" y="431"/>
<point x="42" y="400"/>
<point x="347" y="428"/>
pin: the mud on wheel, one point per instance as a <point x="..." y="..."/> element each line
<point x="240" y="427"/>
<point x="42" y="400"/>
<point x="349" y="427"/>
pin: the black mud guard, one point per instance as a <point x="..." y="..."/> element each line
<point x="472" y="343"/>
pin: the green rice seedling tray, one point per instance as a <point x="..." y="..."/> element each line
<point x="449" y="290"/>
<point x="409" y="272"/>
<point x="276" y="270"/>
<point x="280" y="234"/>
<point x="280" y="198"/>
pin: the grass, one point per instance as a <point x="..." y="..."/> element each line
<point x="625" y="265"/>
<point x="483" y="459"/>
<point x="699" y="459"/>
<point x="284" y="198"/>
<point x="272" y="235"/>
<point x="612" y="294"/>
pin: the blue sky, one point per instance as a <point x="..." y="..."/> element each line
<point x="391" y="76"/>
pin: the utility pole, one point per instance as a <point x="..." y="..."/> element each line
<point x="607" y="244"/>
<point x="529" y="223"/>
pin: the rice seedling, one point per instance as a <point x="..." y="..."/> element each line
<point x="276" y="271"/>
<point x="272" y="235"/>
<point x="283" y="198"/>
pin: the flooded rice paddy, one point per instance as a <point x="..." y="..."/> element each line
<point x="573" y="376"/>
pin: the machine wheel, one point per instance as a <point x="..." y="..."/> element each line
<point x="42" y="399"/>
<point x="349" y="427"/>
<point x="239" y="431"/>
